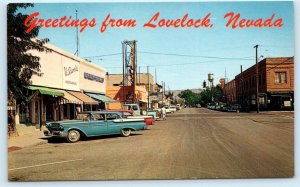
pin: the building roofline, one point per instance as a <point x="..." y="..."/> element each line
<point x="265" y="60"/>
<point x="70" y="55"/>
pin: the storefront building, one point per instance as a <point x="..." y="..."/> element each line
<point x="145" y="85"/>
<point x="229" y="92"/>
<point x="275" y="85"/>
<point x="60" y="89"/>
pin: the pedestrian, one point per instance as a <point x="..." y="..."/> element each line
<point x="163" y="112"/>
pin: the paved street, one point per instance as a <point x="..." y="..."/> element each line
<point x="192" y="143"/>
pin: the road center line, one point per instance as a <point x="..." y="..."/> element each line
<point x="44" y="164"/>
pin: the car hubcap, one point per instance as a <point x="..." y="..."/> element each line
<point x="73" y="135"/>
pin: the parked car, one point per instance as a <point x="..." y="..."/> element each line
<point x="219" y="106"/>
<point x="173" y="108"/>
<point x="178" y="107"/>
<point x="125" y="113"/>
<point x="138" y="111"/>
<point x="129" y="114"/>
<point x="225" y="107"/>
<point x="210" y="105"/>
<point x="90" y="124"/>
<point x="234" y="108"/>
<point x="170" y="109"/>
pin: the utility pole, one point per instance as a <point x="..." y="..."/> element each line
<point x="225" y="86"/>
<point x="123" y="81"/>
<point x="139" y="74"/>
<point x="257" y="100"/>
<point x="155" y="77"/>
<point x="77" y="39"/>
<point x="148" y="88"/>
<point x="242" y="87"/>
<point x="162" y="84"/>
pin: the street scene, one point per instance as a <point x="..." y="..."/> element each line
<point x="128" y="101"/>
<point x="193" y="143"/>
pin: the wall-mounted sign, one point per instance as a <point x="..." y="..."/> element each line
<point x="70" y="70"/>
<point x="93" y="77"/>
<point x="70" y="74"/>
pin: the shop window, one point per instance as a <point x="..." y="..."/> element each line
<point x="280" y="77"/>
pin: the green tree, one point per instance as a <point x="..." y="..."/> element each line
<point x="217" y="93"/>
<point x="20" y="63"/>
<point x="205" y="97"/>
<point x="190" y="97"/>
<point x="207" y="94"/>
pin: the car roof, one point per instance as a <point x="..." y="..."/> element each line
<point x="99" y="112"/>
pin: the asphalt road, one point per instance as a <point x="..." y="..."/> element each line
<point x="191" y="144"/>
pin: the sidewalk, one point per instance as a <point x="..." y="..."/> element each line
<point x="279" y="113"/>
<point x="26" y="138"/>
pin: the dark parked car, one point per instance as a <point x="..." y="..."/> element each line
<point x="234" y="108"/>
<point x="225" y="107"/>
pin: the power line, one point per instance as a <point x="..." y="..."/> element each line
<point x="112" y="54"/>
<point x="194" y="56"/>
<point x="174" y="54"/>
<point x="287" y="60"/>
<point x="200" y="62"/>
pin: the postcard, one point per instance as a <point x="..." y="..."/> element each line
<point x="150" y="90"/>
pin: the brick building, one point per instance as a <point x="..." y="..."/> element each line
<point x="229" y="92"/>
<point x="276" y="85"/>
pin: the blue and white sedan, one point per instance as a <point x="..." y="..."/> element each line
<point x="91" y="124"/>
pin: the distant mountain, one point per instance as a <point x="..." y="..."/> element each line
<point x="176" y="92"/>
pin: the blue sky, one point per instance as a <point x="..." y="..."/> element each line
<point x="184" y="72"/>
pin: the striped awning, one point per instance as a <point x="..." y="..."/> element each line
<point x="84" y="98"/>
<point x="46" y="91"/>
<point x="102" y="98"/>
<point x="69" y="98"/>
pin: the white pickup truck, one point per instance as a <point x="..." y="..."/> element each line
<point x="137" y="111"/>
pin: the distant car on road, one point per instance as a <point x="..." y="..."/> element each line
<point x="90" y="124"/>
<point x="178" y="107"/>
<point x="173" y="108"/>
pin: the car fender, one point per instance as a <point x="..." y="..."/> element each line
<point x="79" y="130"/>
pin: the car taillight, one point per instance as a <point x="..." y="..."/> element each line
<point x="148" y="121"/>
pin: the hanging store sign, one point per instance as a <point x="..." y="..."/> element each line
<point x="93" y="77"/>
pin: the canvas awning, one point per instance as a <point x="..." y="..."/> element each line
<point x="46" y="91"/>
<point x="102" y="98"/>
<point x="68" y="98"/>
<point x="143" y="101"/>
<point x="84" y="98"/>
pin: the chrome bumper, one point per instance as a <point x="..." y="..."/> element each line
<point x="54" y="133"/>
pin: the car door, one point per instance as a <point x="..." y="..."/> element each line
<point x="113" y="127"/>
<point x="98" y="124"/>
